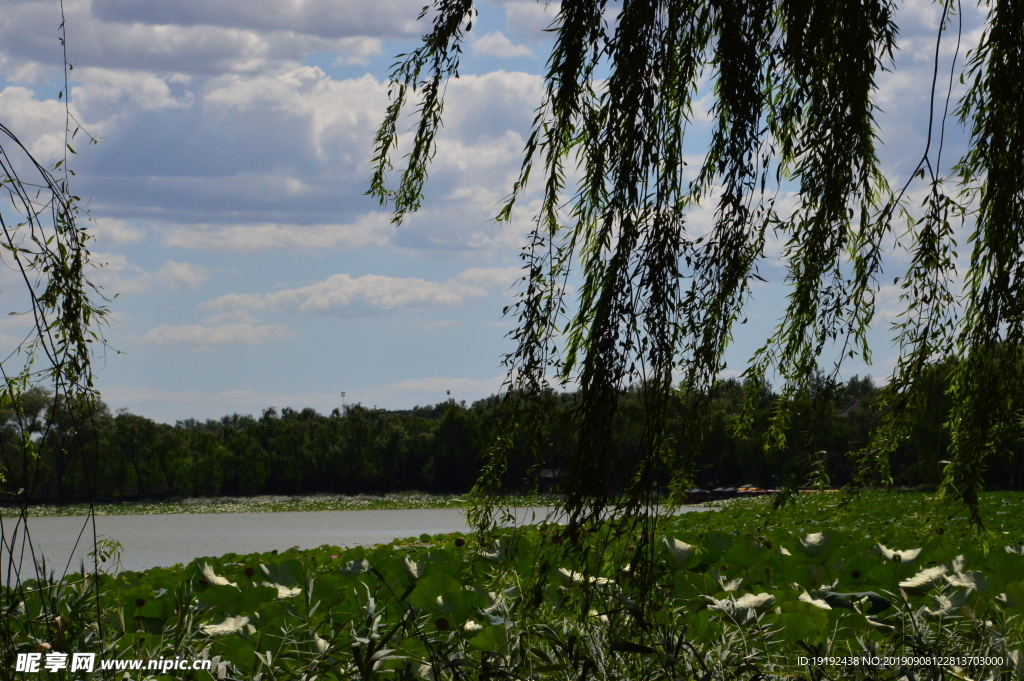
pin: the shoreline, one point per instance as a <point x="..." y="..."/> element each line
<point x="267" y="504"/>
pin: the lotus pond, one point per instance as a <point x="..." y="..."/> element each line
<point x="894" y="580"/>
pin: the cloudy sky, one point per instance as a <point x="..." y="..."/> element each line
<point x="227" y="193"/>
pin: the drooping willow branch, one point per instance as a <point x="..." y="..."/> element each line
<point x="46" y="376"/>
<point x="657" y="299"/>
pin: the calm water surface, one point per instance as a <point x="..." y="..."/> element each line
<point x="164" y="540"/>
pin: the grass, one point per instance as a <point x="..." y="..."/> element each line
<point x="897" y="580"/>
<point x="274" y="503"/>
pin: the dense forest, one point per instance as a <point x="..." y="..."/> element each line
<point x="435" y="449"/>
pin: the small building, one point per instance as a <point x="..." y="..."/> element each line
<point x="697" y="496"/>
<point x="550" y="478"/>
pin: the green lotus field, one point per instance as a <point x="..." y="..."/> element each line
<point x="888" y="586"/>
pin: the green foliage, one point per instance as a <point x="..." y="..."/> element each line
<point x="438" y="449"/>
<point x="793" y="91"/>
<point x="443" y="607"/>
<point x="44" y="245"/>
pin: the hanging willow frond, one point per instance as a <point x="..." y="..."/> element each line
<point x="656" y="302"/>
<point x="44" y="243"/>
<point x="989" y="379"/>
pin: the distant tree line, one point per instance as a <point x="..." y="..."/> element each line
<point x="60" y="452"/>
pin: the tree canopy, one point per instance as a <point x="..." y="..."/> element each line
<point x="82" y="450"/>
<point x="656" y="302"/>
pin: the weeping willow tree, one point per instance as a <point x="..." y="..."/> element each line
<point x="657" y="301"/>
<point x="43" y="245"/>
<point x="57" y="314"/>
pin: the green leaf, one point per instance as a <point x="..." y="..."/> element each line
<point x="493" y="639"/>
<point x="235" y="649"/>
<point x="288" y="572"/>
<point x="461" y="604"/>
<point x="223" y="597"/>
<point x="800" y="621"/>
<point x="255" y="596"/>
<point x="682" y="554"/>
<point x="818" y="547"/>
<point x="1012" y="599"/>
<point x="430" y="588"/>
<point x="746" y="553"/>
<point x="716" y="544"/>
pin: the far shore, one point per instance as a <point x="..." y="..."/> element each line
<point x="398" y="501"/>
<point x="269" y="504"/>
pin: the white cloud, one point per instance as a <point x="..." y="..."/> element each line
<point x="371" y="229"/>
<point x="343" y="295"/>
<point x="277" y="158"/>
<point x="115" y="275"/>
<point x="200" y="38"/>
<point x="527" y="20"/>
<point x="115" y="230"/>
<point x="495" y="44"/>
<point x="338" y="111"/>
<point x="108" y="92"/>
<point x="26" y="72"/>
<point x="490" y="105"/>
<point x="358" y="51"/>
<point x="39" y="125"/>
<point x="174" y="273"/>
<point x="888" y="305"/>
<point x="496" y="278"/>
<point x="323" y="18"/>
<point x="293" y="147"/>
<point x="242" y="333"/>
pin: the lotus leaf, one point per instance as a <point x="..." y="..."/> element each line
<point x="744" y="607"/>
<point x="800" y="621"/>
<point x="223" y="597"/>
<point x="745" y="553"/>
<point x="230" y="625"/>
<point x="716" y="544"/>
<point x="925" y="580"/>
<point x="429" y="589"/>
<point x="897" y="556"/>
<point x="816" y="602"/>
<point x="213" y="578"/>
<point x="355" y="567"/>
<point x="948" y="604"/>
<point x="818" y="546"/>
<point x="493" y="639"/>
<point x="1012" y="599"/>
<point x="680" y="552"/>
<point x="572" y="577"/>
<point x="239" y="651"/>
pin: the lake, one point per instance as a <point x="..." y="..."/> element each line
<point x="165" y="540"/>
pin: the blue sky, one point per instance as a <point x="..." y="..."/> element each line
<point x="227" y="190"/>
